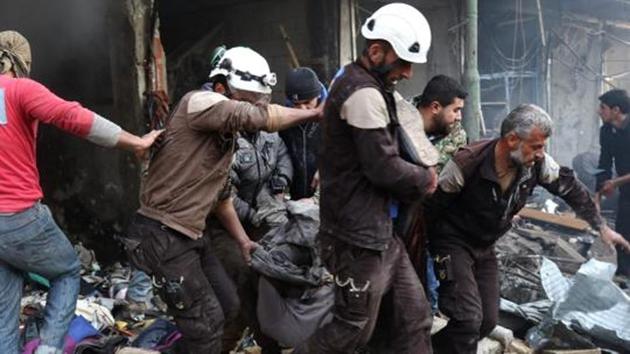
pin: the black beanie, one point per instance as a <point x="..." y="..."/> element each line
<point x="302" y="84"/>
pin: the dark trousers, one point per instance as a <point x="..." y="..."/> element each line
<point x="182" y="267"/>
<point x="622" y="226"/>
<point x="468" y="294"/>
<point x="367" y="281"/>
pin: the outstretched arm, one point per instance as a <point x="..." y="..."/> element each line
<point x="562" y="182"/>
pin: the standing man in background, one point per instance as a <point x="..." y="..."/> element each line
<point x="614" y="139"/>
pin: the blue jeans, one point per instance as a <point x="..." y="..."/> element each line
<point x="31" y="241"/>
<point x="432" y="284"/>
<point x="140" y="286"/>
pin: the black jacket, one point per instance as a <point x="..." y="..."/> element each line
<point x="479" y="213"/>
<point x="361" y="170"/>
<point x="302" y="141"/>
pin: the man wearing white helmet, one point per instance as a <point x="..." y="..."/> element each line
<point x="363" y="178"/>
<point x="187" y="180"/>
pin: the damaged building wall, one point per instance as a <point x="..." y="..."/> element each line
<point x="588" y="58"/>
<point x="616" y="64"/>
<point x="192" y="31"/>
<point x="574" y="90"/>
<point x="312" y="27"/>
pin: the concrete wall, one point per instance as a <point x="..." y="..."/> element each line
<point x="574" y="92"/>
<point x="245" y="23"/>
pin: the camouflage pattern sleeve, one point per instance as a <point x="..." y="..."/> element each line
<point x="450" y="144"/>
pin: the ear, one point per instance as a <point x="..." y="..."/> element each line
<point x="435" y="107"/>
<point x="513" y="140"/>
<point x="376" y="52"/>
<point x="616" y="110"/>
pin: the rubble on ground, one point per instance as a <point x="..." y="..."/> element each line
<point x="558" y="295"/>
<point x="106" y="320"/>
<point x="557" y="288"/>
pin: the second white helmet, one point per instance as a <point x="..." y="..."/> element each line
<point x="245" y="70"/>
<point x="404" y="28"/>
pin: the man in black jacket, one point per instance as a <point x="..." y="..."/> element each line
<point x="363" y="175"/>
<point x="303" y="90"/>
<point x="614" y="138"/>
<point x="479" y="192"/>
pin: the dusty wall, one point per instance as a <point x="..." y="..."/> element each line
<point x="574" y="92"/>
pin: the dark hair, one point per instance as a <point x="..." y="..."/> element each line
<point x="616" y="98"/>
<point x="368" y="42"/>
<point x="441" y="88"/>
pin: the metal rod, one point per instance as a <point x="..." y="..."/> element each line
<point x="472" y="110"/>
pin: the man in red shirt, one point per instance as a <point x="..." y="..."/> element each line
<point x="30" y="240"/>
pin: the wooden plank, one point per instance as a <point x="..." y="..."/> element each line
<point x="569" y="351"/>
<point x="560" y="220"/>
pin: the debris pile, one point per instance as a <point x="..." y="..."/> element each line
<point x="558" y="289"/>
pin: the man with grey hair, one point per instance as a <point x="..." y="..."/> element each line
<point x="479" y="192"/>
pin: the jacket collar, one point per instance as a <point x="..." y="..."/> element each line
<point x="487" y="170"/>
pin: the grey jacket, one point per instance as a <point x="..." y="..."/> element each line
<point x="261" y="165"/>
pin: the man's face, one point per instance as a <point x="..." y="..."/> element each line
<point x="526" y="152"/>
<point x="401" y="69"/>
<point x="382" y="55"/>
<point x="606" y="113"/>
<point x="446" y="118"/>
<point x="219" y="87"/>
<point x="306" y="104"/>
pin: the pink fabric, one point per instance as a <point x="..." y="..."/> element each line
<point x="69" y="346"/>
<point x="26" y="103"/>
<point x="29" y="348"/>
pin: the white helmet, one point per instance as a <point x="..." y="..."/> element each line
<point x="216" y="72"/>
<point x="245" y="70"/>
<point x="404" y="28"/>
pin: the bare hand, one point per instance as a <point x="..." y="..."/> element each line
<point x="319" y="112"/>
<point x="607" y="189"/>
<point x="315" y="181"/>
<point x="306" y="201"/>
<point x="613" y="238"/>
<point x="141" y="148"/>
<point x="247" y="248"/>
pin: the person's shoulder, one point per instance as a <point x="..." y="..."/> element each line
<point x="197" y="101"/>
<point x="468" y="157"/>
<point x="475" y="148"/>
<point x="367" y="93"/>
<point x="23" y="83"/>
<point x="366" y="109"/>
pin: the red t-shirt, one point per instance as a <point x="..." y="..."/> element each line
<point x="23" y="104"/>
